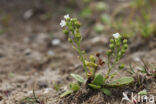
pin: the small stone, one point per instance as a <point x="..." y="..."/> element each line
<point x="99" y="39"/>
<point x="27" y="51"/>
<point x="65" y="88"/>
<point x="28" y="14"/>
<point x="42" y="84"/>
<point x="50" y="53"/>
<point x="55" y="42"/>
<point x="136" y="59"/>
<point x="29" y="92"/>
<point x="47" y="90"/>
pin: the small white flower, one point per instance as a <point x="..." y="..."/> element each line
<point x="66" y="16"/>
<point x="63" y="23"/>
<point x="116" y="35"/>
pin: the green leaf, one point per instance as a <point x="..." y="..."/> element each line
<point x="94" y="86"/>
<point x="143" y="92"/>
<point x="86" y="13"/>
<point x="98" y="80"/>
<point x="101" y="6"/>
<point x="131" y="70"/>
<point x="99" y="28"/>
<point x="106" y="91"/>
<point x="78" y="78"/>
<point x="74" y="86"/>
<point x="121" y="81"/>
<point x="66" y="93"/>
<point x="106" y="19"/>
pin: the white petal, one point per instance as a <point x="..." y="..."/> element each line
<point x="63" y="23"/>
<point x="116" y="35"/>
<point x="66" y="16"/>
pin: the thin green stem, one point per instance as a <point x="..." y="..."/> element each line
<point x="115" y="73"/>
<point x="110" y="68"/>
<point x="82" y="58"/>
<point x="108" y="65"/>
<point x="78" y="49"/>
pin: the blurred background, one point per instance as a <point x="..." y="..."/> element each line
<point x="34" y="52"/>
<point x="129" y="17"/>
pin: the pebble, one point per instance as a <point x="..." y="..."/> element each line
<point x="136" y="59"/>
<point x="47" y="90"/>
<point x="28" y="14"/>
<point x="42" y="84"/>
<point x="55" y="42"/>
<point x="27" y="51"/>
<point x="50" y="53"/>
<point x="100" y="39"/>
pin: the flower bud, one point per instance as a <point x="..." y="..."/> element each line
<point x="119" y="54"/>
<point x="112" y="40"/>
<point x="91" y="64"/>
<point x="109" y="52"/>
<point x="125" y="41"/>
<point x="73" y="19"/>
<point x="92" y="58"/>
<point x="121" y="66"/>
<point x="78" y="36"/>
<point x="77" y="30"/>
<point x="68" y="19"/>
<point x="111" y="46"/>
<point x="65" y="32"/>
<point x="125" y="46"/>
<point x="70" y="40"/>
<point x="87" y="63"/>
<point x="118" y="44"/>
<point x="123" y="51"/>
<point x="71" y="28"/>
<point x="77" y="24"/>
